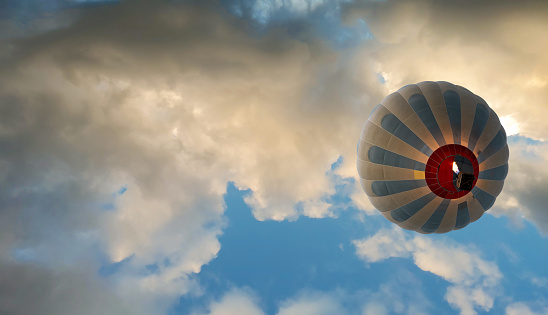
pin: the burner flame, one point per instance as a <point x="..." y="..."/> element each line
<point x="455" y="168"/>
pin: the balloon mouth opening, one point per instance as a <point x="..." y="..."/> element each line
<point x="452" y="171"/>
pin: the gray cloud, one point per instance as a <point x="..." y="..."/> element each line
<point x="171" y="102"/>
<point x="493" y="48"/>
<point x="29" y="289"/>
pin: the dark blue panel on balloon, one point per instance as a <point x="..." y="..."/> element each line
<point x="405" y="212"/>
<point x="498" y="142"/>
<point x="497" y="173"/>
<point x="392" y="124"/>
<point x="463" y="215"/>
<point x="381" y="156"/>
<point x="452" y="102"/>
<point x="435" y="219"/>
<point x="480" y="120"/>
<point x="390" y="187"/>
<point x="485" y="199"/>
<point x="420" y="106"/>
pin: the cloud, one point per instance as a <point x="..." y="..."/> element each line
<point x="312" y="303"/>
<point x="25" y="18"/>
<point x="385" y="244"/>
<point x="455" y="263"/>
<point x="92" y="107"/>
<point x="236" y="301"/>
<point x="402" y="293"/>
<point x="492" y="50"/>
<point x="466" y="299"/>
<point x="31" y="289"/>
<point x="474" y="280"/>
<point x="243" y="301"/>
<point x="524" y="196"/>
<point x="540" y="282"/>
<point x="520" y="308"/>
<point x="272" y="11"/>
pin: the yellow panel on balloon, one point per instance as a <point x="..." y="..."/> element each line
<point x="419" y="175"/>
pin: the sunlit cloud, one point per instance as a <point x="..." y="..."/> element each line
<point x="474" y="280"/>
<point x="174" y="100"/>
<point x="524" y="195"/>
<point x="237" y="301"/>
<point x="510" y="124"/>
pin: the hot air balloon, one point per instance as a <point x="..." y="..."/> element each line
<point x="432" y="157"/>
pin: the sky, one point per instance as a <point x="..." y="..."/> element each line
<point x="199" y="157"/>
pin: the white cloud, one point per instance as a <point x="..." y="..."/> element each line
<point x="312" y="303"/>
<point x="244" y="302"/>
<point x="361" y="201"/>
<point x="520" y="308"/>
<point x="374" y="307"/>
<point x="524" y="195"/>
<point x="455" y="263"/>
<point x="467" y="299"/>
<point x="540" y="282"/>
<point x="474" y="280"/>
<point x="317" y="209"/>
<point x="401" y="293"/>
<point x="385" y="244"/>
<point x="510" y="124"/>
<point x="236" y="301"/>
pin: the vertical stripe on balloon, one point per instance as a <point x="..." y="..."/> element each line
<point x="463" y="215"/>
<point x="435" y="219"/>
<point x="452" y="102"/>
<point x="480" y="120"/>
<point x="420" y="106"/>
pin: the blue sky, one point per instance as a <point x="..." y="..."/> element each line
<point x="199" y="157"/>
<point x="278" y="260"/>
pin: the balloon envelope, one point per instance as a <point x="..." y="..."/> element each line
<point x="432" y="157"/>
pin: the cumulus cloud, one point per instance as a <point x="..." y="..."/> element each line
<point x="385" y="244"/>
<point x="24" y="18"/>
<point x="94" y="107"/>
<point x="175" y="101"/>
<point x="401" y="293"/>
<point x="520" y="308"/>
<point x="236" y="301"/>
<point x="243" y="301"/>
<point x="312" y="303"/>
<point x="30" y="289"/>
<point x="524" y="195"/>
<point x="492" y="50"/>
<point x="474" y="280"/>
